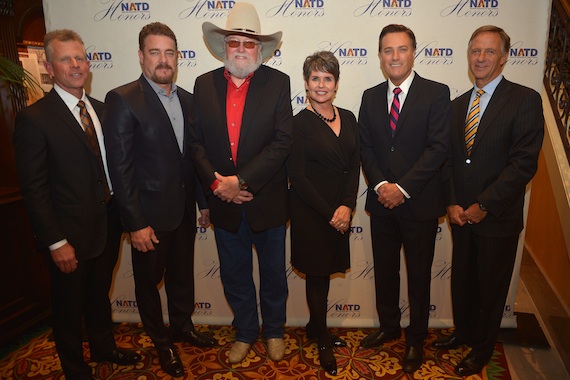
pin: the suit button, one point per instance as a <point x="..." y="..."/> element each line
<point x="468" y="161"/>
<point x="392" y="149"/>
<point x="183" y="185"/>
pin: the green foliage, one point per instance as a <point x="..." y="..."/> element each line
<point x="14" y="74"/>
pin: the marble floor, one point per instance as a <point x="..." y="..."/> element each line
<point x="535" y="296"/>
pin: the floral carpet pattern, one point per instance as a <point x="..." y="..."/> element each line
<point x="38" y="359"/>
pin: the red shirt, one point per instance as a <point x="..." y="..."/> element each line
<point x="235" y="103"/>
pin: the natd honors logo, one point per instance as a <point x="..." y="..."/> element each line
<point x="202" y="308"/>
<point x="347" y="54"/>
<point x="123" y="305"/>
<point x="275" y="59"/>
<point x="472" y="8"/>
<point x="207" y="9"/>
<point x="342" y="309"/>
<point x="430" y="53"/>
<point x="186" y="58"/>
<point x="298" y="8"/>
<point x="356" y="233"/>
<point x="299" y="101"/>
<point x="521" y="55"/>
<point x="99" y="60"/>
<point x="385" y="8"/>
<point x="119" y="10"/>
<point x="201" y="232"/>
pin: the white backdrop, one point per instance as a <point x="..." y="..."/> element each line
<point x="350" y="29"/>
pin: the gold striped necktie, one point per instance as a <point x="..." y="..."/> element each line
<point x="472" y="122"/>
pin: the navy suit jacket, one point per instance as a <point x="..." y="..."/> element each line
<point x="264" y="144"/>
<point x="61" y="179"/>
<point x="503" y="159"/>
<point x="414" y="156"/>
<point x="153" y="181"/>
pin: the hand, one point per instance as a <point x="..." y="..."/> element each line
<point x="473" y="214"/>
<point x="341" y="219"/>
<point x="390" y="196"/>
<point x="64" y="258"/>
<point x="228" y="188"/>
<point x="143" y="239"/>
<point x="454" y="212"/>
<point x="243" y="196"/>
<point x="204" y="219"/>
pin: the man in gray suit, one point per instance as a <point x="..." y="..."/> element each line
<point x="242" y="127"/>
<point x="146" y="132"/>
<point x="60" y="155"/>
<point x="496" y="137"/>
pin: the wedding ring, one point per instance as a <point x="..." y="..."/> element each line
<point x="470" y="222"/>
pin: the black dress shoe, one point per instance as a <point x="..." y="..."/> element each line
<point x="378" y="338"/>
<point x="469" y="366"/>
<point x="327" y="359"/>
<point x="119" y="356"/>
<point x="413" y="358"/>
<point x="336" y="341"/>
<point x="195" y="338"/>
<point x="170" y="362"/>
<point x="447" y="342"/>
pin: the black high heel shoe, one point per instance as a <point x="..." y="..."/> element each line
<point x="336" y="341"/>
<point x="327" y="359"/>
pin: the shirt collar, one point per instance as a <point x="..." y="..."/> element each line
<point x="69" y="99"/>
<point x="229" y="76"/>
<point x="405" y="85"/>
<point x="491" y="86"/>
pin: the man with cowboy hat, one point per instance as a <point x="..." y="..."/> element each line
<point x="242" y="123"/>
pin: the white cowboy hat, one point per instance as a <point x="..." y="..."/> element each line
<point x="242" y="20"/>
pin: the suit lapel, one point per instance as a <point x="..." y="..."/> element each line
<point x="494" y="108"/>
<point x="63" y="112"/>
<point x="255" y="96"/>
<point x="461" y="115"/>
<point x="221" y="84"/>
<point x="409" y="104"/>
<point x="152" y="98"/>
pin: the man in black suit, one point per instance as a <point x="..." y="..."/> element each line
<point x="242" y="136"/>
<point x="146" y="132"/>
<point x="495" y="145"/>
<point x="68" y="197"/>
<point x="404" y="142"/>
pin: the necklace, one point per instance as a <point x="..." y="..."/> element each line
<point x="324" y="118"/>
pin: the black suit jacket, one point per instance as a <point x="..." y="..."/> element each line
<point x="503" y="159"/>
<point x="414" y="156"/>
<point x="61" y="179"/>
<point x="152" y="180"/>
<point x="264" y="144"/>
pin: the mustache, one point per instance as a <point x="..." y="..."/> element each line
<point x="163" y="66"/>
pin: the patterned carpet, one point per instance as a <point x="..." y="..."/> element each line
<point x="38" y="359"/>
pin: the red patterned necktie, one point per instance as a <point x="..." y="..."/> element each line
<point x="472" y="122"/>
<point x="89" y="128"/>
<point x="395" y="110"/>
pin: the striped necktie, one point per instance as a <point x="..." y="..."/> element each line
<point x="91" y="134"/>
<point x="395" y="110"/>
<point x="472" y="122"/>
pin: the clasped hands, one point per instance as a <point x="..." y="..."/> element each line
<point x="390" y="195"/>
<point x="341" y="219"/>
<point x="473" y="214"/>
<point x="228" y="190"/>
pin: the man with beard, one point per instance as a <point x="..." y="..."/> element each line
<point x="146" y="134"/>
<point x="242" y="122"/>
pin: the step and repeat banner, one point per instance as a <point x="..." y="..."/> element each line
<point x="350" y="29"/>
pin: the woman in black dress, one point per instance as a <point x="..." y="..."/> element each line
<point x="323" y="167"/>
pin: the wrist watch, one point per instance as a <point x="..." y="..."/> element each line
<point x="241" y="182"/>
<point x="483" y="208"/>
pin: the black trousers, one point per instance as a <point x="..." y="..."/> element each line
<point x="481" y="274"/>
<point x="389" y="234"/>
<point x="173" y="259"/>
<point x="85" y="294"/>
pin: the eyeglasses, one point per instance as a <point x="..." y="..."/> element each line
<point x="246" y="44"/>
